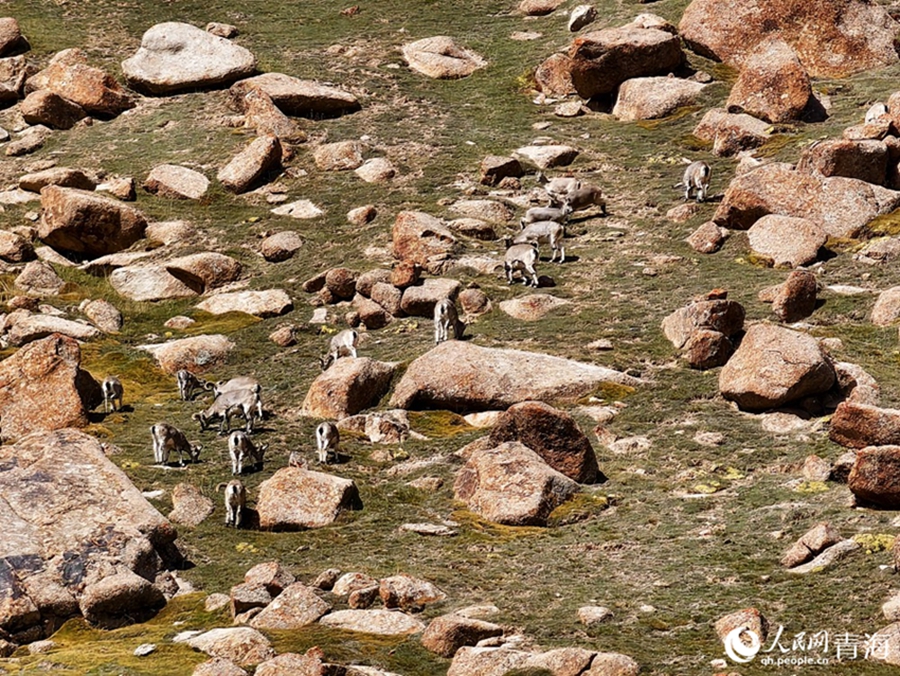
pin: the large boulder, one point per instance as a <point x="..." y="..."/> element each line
<point x="296" y="499"/>
<point x="249" y="165"/>
<point x="205" y="270"/>
<point x="486" y="661"/>
<point x="296" y="97"/>
<point x="875" y="476"/>
<point x="786" y="240"/>
<point x="731" y="133"/>
<point x="51" y="110"/>
<point x="61" y="176"/>
<point x="241" y="645"/>
<point x="832" y="38"/>
<point x="176" y="56"/>
<point x="176" y="182"/>
<point x="772" y="84"/>
<point x="419" y="300"/>
<point x="89" y="542"/>
<point x="149" y="283"/>
<point x="865" y="160"/>
<point x="14" y="248"/>
<point x="69" y="75"/>
<point x="552" y="434"/>
<point x="29" y="327"/>
<point x="379" y="622"/>
<point x="840" y="206"/>
<point x="486" y="379"/>
<point x="347" y="387"/>
<point x="448" y="633"/>
<point x="195" y="354"/>
<point x="297" y="606"/>
<point x="510" y="484"/>
<point x="647" y="98"/>
<point x="440" y="57"/>
<point x="11" y="38"/>
<point x="86" y="223"/>
<point x="604" y="59"/>
<point x="408" y="593"/>
<point x="858" y="425"/>
<point x="422" y="239"/>
<point x="718" y="314"/>
<point x="269" y="303"/>
<point x="775" y="366"/>
<point x="42" y="387"/>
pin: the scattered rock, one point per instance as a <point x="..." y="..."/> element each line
<point x="494" y="168"/>
<point x="772" y="84"/>
<point x="749" y="619"/>
<point x="795" y="299"/>
<point x="731" y="133"/>
<point x="351" y="582"/>
<point x="721" y="315"/>
<point x="11" y="38"/>
<point x="887" y="307"/>
<point x="820" y="537"/>
<point x="104" y="315"/>
<point x="297" y="606"/>
<point x="175" y="182"/>
<point x="376" y="170"/>
<point x="296" y="499"/>
<point x="248" y="166"/>
<point x="485" y="210"/>
<point x="421" y="239"/>
<point x="440" y="57"/>
<point x="191" y="507"/>
<point x="419" y="301"/>
<point x="857" y="425"/>
<point x="177" y="56"/>
<point x="347" y="387"/>
<point x="59" y="176"/>
<point x="648" y="98"/>
<point x="262" y="115"/>
<point x="408" y="593"/>
<point x="539" y="7"/>
<point x="148" y="283"/>
<point x="816" y="469"/>
<point x="707" y="349"/>
<point x="340" y="156"/>
<point x="362" y="215"/>
<point x="300" y="209"/>
<point x="205" y="270"/>
<point x="532" y="307"/>
<point x="708" y="238"/>
<point x="448" y="633"/>
<point x="826" y="558"/>
<point x="121" y="187"/>
<point x="270" y="303"/>
<point x="115" y="600"/>
<point x="196" y="354"/>
<point x="302" y="98"/>
<point x="379" y="622"/>
<point x="50" y="109"/>
<point x="69" y="75"/>
<point x="218" y="666"/>
<point x="29" y="141"/>
<point x="549" y="156"/>
<point x="30" y="327"/>
<point x="40" y="279"/>
<point x="554" y="76"/>
<point x="591" y="615"/>
<point x="241" y="645"/>
<point x="786" y="240"/>
<point x="581" y="16"/>
<point x="864" y="160"/>
<point x="474" y="302"/>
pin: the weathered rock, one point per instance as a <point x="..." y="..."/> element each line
<point x="731" y="133"/>
<point x="347" y="387"/>
<point x="795" y="299"/>
<point x="884" y="645"/>
<point x="190" y="506"/>
<point x="405" y="273"/>
<point x="827" y="558"/>
<point x="469" y="661"/>
<point x="448" y="633"/>
<point x="510" y="484"/>
<point x="341" y="283"/>
<point x="372" y="315"/>
<point x="786" y="240"/>
<point x="42" y="387"/>
<point x="494" y="168"/>
<point x="857" y="425"/>
<point x="821" y="536"/>
<point x="473" y="227"/>
<point x="296" y="97"/>
<point x="367" y="281"/>
<point x="60" y="176"/>
<point x="13" y="71"/>
<point x="241" y="645"/>
<point x="816" y="469"/>
<point x="592" y="615"/>
<point x="604" y="59"/>
<point x="421" y="239"/>
<point x="832" y="39"/>
<point x="87" y="223"/>
<point x="50" y="109"/>
<point x="486" y="210"/>
<point x="39" y="278"/>
<point x="248" y="166"/>
<point x="773" y="367"/>
<point x="724" y="316"/>
<point x="408" y="593"/>
<point x="563" y="661"/>
<point x="647" y="98"/>
<point x="89" y="550"/>
<point x="440" y="57"/>
<point x="114" y="600"/>
<point x="380" y="622"/>
<point x="539" y="7"/>
<point x="581" y="16"/>
<point x="863" y="160"/>
<point x="104" y="315"/>
<point x="270" y="575"/>
<point x="840" y="206"/>
<point x="533" y="306"/>
<point x="362" y="215"/>
<point x="121" y="187"/>
<point x="419" y="301"/>
<point x="548" y="156"/>
<point x="388" y="297"/>
<point x="218" y="666"/>
<point x="351" y="582"/>
<point x="205" y="270"/>
<point x="491" y="379"/>
<point x="148" y="283"/>
<point x="176" y="182"/>
<point x="749" y="619"/>
<point x="292" y="664"/>
<point x="340" y="156"/>
<point x="554" y="76"/>
<point x="772" y="84"/>
<point x="30" y="140"/>
<point x="297" y="606"/>
<point x="474" y="302"/>
<point x="195" y="354"/>
<point x="553" y="435"/>
<point x="176" y="56"/>
<point x="376" y="170"/>
<point x="707" y="349"/>
<point x="11" y="38"/>
<point x="301" y="209"/>
<point x="281" y="246"/>
<point x="887" y="307"/>
<point x="27" y="329"/>
<point x="69" y="75"/>
<point x="269" y="303"/>
<point x="262" y="115"/>
<point x="707" y="239"/>
<point x="296" y="499"/>
<point x="856" y="385"/>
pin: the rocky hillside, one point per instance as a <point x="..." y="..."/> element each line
<point x="453" y="338"/>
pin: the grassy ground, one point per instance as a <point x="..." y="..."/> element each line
<point x="692" y="558"/>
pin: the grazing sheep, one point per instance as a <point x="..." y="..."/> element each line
<point x="245" y="402"/>
<point x="537" y="214"/>
<point x="521" y="257"/>
<point x="696" y="178"/>
<point x="168" y="438"/>
<point x="342" y="344"/>
<point x="241" y="449"/>
<point x="240" y="383"/>
<point x="327" y="439"/>
<point x="446" y="319"/>
<point x="876" y="112"/>
<point x="541" y="232"/>
<point x="112" y="393"/>
<point x="235" y="501"/>
<point x="188" y="382"/>
<point x="584" y="197"/>
<point x="558" y="188"/>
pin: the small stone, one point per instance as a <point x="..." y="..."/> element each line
<point x="362" y="215"/>
<point x="326" y="579"/>
<point x="144" y="649"/>
<point x="591" y="615"/>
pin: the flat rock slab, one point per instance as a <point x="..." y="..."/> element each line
<point x="176" y="56"/>
<point x="149" y="283"/>
<point x="300" y="209"/>
<point x="296" y="499"/>
<point x="484" y="379"/>
<point x="546" y="157"/>
<point x="532" y="307"/>
<point x="36" y="326"/>
<point x="297" y="97"/>
<point x="297" y="606"/>
<point x="440" y="57"/>
<point x="648" y="98"/>
<point x="380" y="622"/>
<point x="241" y="645"/>
<point x="173" y="181"/>
<point x="786" y="240"/>
<point x="827" y="558"/>
<point x="271" y="303"/>
<point x="196" y="354"/>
